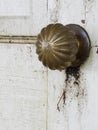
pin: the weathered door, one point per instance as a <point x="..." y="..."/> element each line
<point x="29" y="92"/>
<point x="23" y="79"/>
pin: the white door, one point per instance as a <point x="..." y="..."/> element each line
<point x="23" y="79"/>
<point x="29" y="92"/>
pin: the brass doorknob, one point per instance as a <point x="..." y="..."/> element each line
<point x="59" y="46"/>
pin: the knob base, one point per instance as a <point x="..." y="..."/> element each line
<point x="84" y="43"/>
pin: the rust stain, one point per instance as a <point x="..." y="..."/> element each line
<point x="73" y="71"/>
<point x="74" y="89"/>
<point x="63" y="96"/>
<point x="83" y="21"/>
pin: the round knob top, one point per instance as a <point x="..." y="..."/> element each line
<point x="59" y="47"/>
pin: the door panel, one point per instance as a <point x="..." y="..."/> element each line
<point x="23" y="89"/>
<point x="15" y="8"/>
<point x="69" y="116"/>
<point x="91" y="20"/>
<point x="78" y="112"/>
<point x="25" y="17"/>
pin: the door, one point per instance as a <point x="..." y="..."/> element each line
<point x="23" y="79"/>
<point x="29" y="92"/>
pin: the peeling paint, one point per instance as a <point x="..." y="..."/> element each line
<point x="89" y="4"/>
<point x="55" y="12"/>
<point x="74" y="89"/>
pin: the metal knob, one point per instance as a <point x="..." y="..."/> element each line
<point x="59" y="46"/>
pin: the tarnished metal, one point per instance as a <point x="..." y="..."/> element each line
<point x="59" y="46"/>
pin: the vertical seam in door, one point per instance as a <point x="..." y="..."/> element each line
<point x="47" y="79"/>
<point x="47" y="103"/>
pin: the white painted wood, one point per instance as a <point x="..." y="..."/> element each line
<point x="23" y="91"/>
<point x="28" y="92"/>
<point x="73" y="112"/>
<point x="71" y="11"/>
<point x="56" y="119"/>
<point x="78" y="113"/>
<point x="15" y="8"/>
<point x="90" y="119"/>
<point x="91" y="20"/>
<point x="71" y="115"/>
<point x="23" y="79"/>
<point x="66" y="11"/>
<point x="28" y="20"/>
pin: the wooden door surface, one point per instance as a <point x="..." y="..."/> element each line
<point x="29" y="92"/>
<point x="23" y="79"/>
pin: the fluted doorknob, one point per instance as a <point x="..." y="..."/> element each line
<point x="59" y="46"/>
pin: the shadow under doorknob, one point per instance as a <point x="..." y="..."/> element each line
<point x="59" y="46"/>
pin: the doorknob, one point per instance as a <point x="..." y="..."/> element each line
<point x="59" y="46"/>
